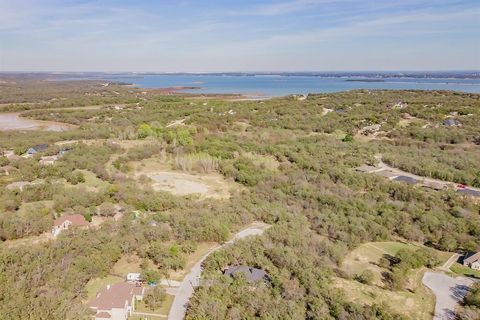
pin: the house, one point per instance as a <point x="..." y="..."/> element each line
<point x="472" y="261"/>
<point x="450" y="122"/>
<point x="116" y="301"/>
<point x="36" y="149"/>
<point x="134" y="277"/>
<point x="251" y="274"/>
<point x="406" y="179"/>
<point x="48" y="160"/>
<point x="65" y="221"/>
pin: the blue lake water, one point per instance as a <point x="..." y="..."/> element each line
<point x="273" y="85"/>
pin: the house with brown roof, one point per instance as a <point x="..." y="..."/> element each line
<point x="472" y="261"/>
<point x="116" y="301"/>
<point x="67" y="220"/>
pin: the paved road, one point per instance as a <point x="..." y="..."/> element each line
<point x="448" y="292"/>
<point x="191" y="280"/>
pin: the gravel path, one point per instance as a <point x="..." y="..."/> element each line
<point x="448" y="291"/>
<point x="191" y="280"/>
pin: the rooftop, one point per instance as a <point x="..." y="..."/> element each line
<point x="406" y="179"/>
<point x="472" y="258"/>
<point x="250" y="273"/>
<point x="75" y="219"/>
<point x="115" y="296"/>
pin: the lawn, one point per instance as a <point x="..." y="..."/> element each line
<point x="192" y="258"/>
<point x="418" y="304"/>
<point x="367" y="256"/>
<point x="94" y="285"/>
<point x="91" y="180"/>
<point x="163" y="310"/>
<point x="127" y="264"/>
<point x="464" y="271"/>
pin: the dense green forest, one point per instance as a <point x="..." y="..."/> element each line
<point x="293" y="167"/>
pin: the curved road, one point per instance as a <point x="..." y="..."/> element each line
<point x="191" y="280"/>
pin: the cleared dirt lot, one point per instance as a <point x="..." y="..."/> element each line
<point x="163" y="178"/>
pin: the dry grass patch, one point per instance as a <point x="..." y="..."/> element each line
<point x="415" y="305"/>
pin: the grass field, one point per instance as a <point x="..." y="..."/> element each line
<point x="92" y="181"/>
<point x="367" y="255"/>
<point x="457" y="268"/>
<point x="415" y="305"/>
<point x="163" y="310"/>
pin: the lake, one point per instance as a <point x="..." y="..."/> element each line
<point x="280" y="85"/>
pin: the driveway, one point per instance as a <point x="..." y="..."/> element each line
<point x="383" y="166"/>
<point x="448" y="291"/>
<point x="191" y="280"/>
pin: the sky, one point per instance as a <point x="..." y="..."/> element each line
<point x="233" y="35"/>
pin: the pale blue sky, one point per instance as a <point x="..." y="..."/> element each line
<point x="196" y="36"/>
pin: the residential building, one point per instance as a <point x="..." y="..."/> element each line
<point x="406" y="179"/>
<point x="67" y="220"/>
<point x="116" y="301"/>
<point x="250" y="273"/>
<point x="36" y="149"/>
<point x="472" y="261"/>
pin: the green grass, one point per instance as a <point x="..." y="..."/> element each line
<point x="415" y="304"/>
<point x="464" y="271"/>
<point x="163" y="310"/>
<point x="92" y="181"/>
<point x="94" y="285"/>
<point x="368" y="254"/>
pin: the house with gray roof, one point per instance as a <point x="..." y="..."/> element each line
<point x="406" y="179"/>
<point x="251" y="274"/>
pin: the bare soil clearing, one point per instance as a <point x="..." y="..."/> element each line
<point x="211" y="185"/>
<point x="13" y="121"/>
